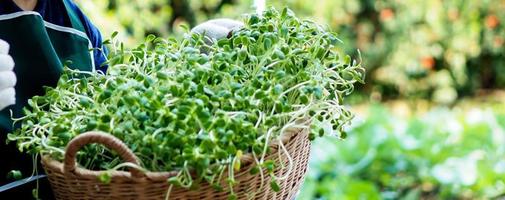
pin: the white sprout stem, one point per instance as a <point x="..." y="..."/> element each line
<point x="221" y="171"/>
<point x="167" y="195"/>
<point x="76" y="88"/>
<point x="231" y="174"/>
<point x="130" y="165"/>
<point x="269" y="132"/>
<point x="34" y="165"/>
<point x="109" y="79"/>
<point x="82" y="72"/>
<point x="159" y="131"/>
<point x="260" y="117"/>
<point x="16" y="119"/>
<point x="273" y="109"/>
<point x="43" y="142"/>
<point x="262" y="176"/>
<point x="35" y="171"/>
<point x="111" y="124"/>
<point x="184" y="173"/>
<point x="235" y="113"/>
<point x="285" y="151"/>
<point x="294" y="87"/>
<point x="290" y="162"/>
<point x="272" y="64"/>
<point x="213" y="176"/>
<point x="187" y="175"/>
<point x="301" y="111"/>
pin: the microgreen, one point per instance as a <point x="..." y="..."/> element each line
<point x="178" y="108"/>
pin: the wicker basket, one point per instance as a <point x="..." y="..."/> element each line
<point x="70" y="182"/>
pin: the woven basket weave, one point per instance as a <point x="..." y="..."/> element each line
<point x="70" y="182"/>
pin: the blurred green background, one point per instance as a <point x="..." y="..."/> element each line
<point x="430" y="122"/>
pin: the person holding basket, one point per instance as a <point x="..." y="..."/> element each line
<point x="37" y="39"/>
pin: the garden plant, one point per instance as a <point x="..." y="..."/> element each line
<point x="438" y="154"/>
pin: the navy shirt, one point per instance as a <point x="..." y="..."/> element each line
<point x="53" y="11"/>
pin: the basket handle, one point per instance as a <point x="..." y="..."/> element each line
<point x="109" y="141"/>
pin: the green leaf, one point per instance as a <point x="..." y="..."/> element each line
<point x="15" y="174"/>
<point x="232" y="197"/>
<point x="253" y="19"/>
<point x="35" y="193"/>
<point x="150" y="38"/>
<point x="269" y="165"/>
<point x="304" y="99"/>
<point x="279" y="54"/>
<point x="347" y="60"/>
<point x="114" y="34"/>
<point x="267" y="43"/>
<point x="174" y="180"/>
<point x="321" y="132"/>
<point x="275" y="186"/>
<point x="284" y="13"/>
<point x="254" y="170"/>
<point x="343" y="135"/>
<point x="105" y="177"/>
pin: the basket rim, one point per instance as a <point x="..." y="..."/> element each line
<point x="150" y="176"/>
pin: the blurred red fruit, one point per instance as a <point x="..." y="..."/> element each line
<point x="428" y="62"/>
<point x="386" y="14"/>
<point x="492" y="21"/>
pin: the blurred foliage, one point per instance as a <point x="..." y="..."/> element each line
<point x="134" y="20"/>
<point x="442" y="154"/>
<point x="433" y="49"/>
<point x="438" y="50"/>
<point x="427" y="49"/>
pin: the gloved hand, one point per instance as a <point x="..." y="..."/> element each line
<point x="7" y="77"/>
<point x="216" y="29"/>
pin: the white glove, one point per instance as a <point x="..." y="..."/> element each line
<point x="7" y="77"/>
<point x="217" y="28"/>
